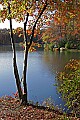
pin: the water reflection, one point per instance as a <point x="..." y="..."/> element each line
<point x="57" y="60"/>
<point x="9" y="48"/>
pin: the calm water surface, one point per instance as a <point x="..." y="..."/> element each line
<point x="42" y="70"/>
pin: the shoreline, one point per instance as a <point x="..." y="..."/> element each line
<point x="56" y="49"/>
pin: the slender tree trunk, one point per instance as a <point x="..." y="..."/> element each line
<point x="24" y="100"/>
<point x="18" y="83"/>
<point x="65" y="32"/>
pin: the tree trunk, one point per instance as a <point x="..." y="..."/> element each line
<point x="18" y="83"/>
<point x="24" y="99"/>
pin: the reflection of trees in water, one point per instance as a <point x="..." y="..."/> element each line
<point x="5" y="48"/>
<point x="9" y="48"/>
<point x="57" y="60"/>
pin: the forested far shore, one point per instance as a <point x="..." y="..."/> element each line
<point x="71" y="43"/>
<point x="5" y="37"/>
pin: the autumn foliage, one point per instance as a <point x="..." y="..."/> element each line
<point x="69" y="86"/>
<point x="64" y="23"/>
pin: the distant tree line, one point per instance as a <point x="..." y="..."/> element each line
<point x="5" y="37"/>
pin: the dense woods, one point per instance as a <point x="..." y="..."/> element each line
<point x="5" y="37"/>
<point x="47" y="37"/>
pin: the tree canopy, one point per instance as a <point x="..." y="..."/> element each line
<point x="59" y="11"/>
<point x="65" y="23"/>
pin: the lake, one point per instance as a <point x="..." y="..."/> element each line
<point x="42" y="70"/>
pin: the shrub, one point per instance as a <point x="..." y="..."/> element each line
<point x="69" y="87"/>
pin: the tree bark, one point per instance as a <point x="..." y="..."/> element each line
<point x="24" y="99"/>
<point x="18" y="83"/>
